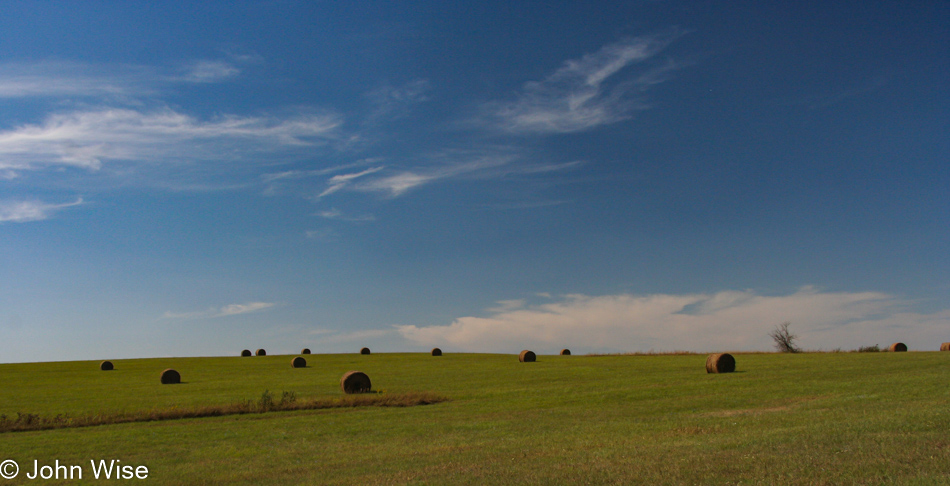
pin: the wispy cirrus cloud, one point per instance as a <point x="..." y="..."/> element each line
<point x="585" y="93"/>
<point x="70" y="79"/>
<point x="458" y="165"/>
<point x="26" y="211"/>
<point x="394" y="102"/>
<point x="340" y="181"/>
<point x="444" y="166"/>
<point x="334" y="213"/>
<point x="207" y="71"/>
<point x="225" y="311"/>
<point x="73" y="79"/>
<point x="728" y="320"/>
<point x="87" y="139"/>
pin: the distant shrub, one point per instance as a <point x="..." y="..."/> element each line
<point x="784" y="339"/>
<point x="869" y="349"/>
<point x="266" y="402"/>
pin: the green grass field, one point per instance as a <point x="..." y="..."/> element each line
<point x="813" y="418"/>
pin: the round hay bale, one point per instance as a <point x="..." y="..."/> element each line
<point x="261" y="352"/>
<point x="565" y="352"/>
<point x="355" y="382"/>
<point x="305" y="351"/>
<point x="299" y="362"/>
<point x="720" y="363"/>
<point x="527" y="357"/>
<point x="436" y="352"/>
<point x="246" y="352"/>
<point x="170" y="376"/>
<point x="898" y="348"/>
<point x="364" y="351"/>
<point x="945" y="347"/>
<point x="106" y="366"/>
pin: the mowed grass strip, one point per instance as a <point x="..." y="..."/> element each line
<point x="80" y="388"/>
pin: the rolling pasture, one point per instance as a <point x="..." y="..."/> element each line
<point x="810" y="418"/>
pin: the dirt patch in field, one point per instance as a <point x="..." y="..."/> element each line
<point x="748" y="411"/>
<point x="785" y="407"/>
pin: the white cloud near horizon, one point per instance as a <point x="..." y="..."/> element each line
<point x="87" y="139"/>
<point x="723" y="321"/>
<point x="225" y="311"/>
<point x="582" y="93"/>
<point x="26" y="211"/>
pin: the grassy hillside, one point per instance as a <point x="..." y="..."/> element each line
<point x="827" y="418"/>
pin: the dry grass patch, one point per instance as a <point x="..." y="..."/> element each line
<point x="288" y="402"/>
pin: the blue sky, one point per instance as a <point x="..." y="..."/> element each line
<point x="180" y="179"/>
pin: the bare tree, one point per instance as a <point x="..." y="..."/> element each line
<point x="784" y="339"/>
